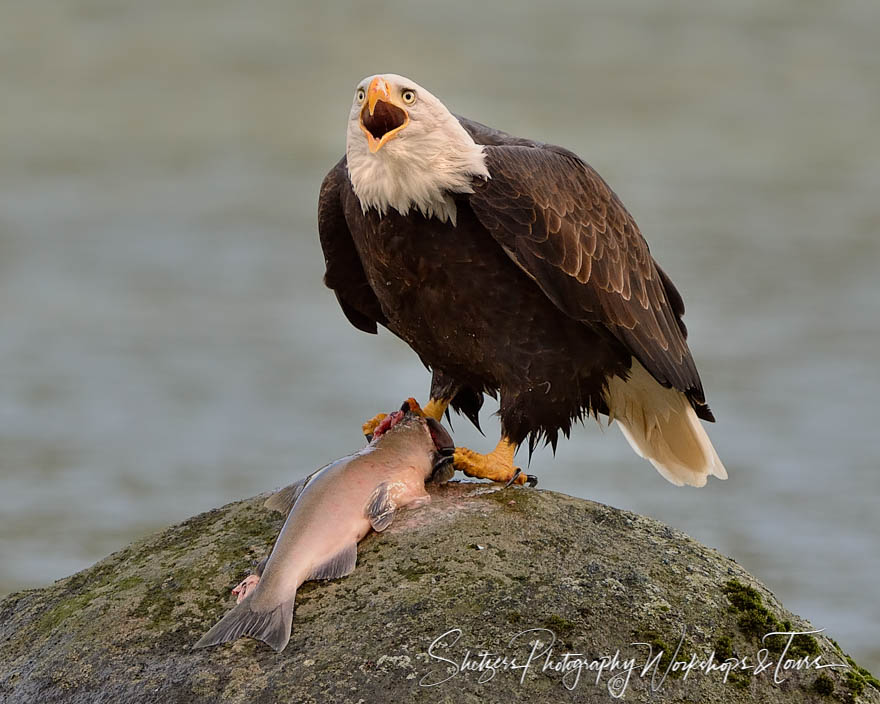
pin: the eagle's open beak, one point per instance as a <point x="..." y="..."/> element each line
<point x="380" y="119"/>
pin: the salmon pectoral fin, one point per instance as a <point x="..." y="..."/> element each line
<point x="380" y="508"/>
<point x="271" y="627"/>
<point x="340" y="565"/>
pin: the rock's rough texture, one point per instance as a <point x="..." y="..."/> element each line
<point x="490" y="562"/>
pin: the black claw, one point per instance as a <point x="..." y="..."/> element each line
<point x="369" y="437"/>
<point x="531" y="479"/>
<point x="513" y="478"/>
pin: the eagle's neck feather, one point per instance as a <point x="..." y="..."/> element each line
<point x="416" y="171"/>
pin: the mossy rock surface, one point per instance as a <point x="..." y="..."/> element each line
<point x="491" y="562"/>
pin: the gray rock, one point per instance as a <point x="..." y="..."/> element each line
<point x="492" y="563"/>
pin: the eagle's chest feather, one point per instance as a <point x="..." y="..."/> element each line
<point x="442" y="287"/>
<point x="412" y="264"/>
<point x="459" y="301"/>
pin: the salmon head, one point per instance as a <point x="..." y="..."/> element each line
<point x="410" y="417"/>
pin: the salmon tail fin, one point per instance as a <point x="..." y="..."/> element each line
<point x="661" y="426"/>
<point x="271" y="627"/>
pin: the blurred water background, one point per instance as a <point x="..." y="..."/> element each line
<point x="166" y="344"/>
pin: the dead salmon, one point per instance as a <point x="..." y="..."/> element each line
<point x="329" y="512"/>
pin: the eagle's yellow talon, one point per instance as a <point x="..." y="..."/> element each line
<point x="436" y="408"/>
<point x="497" y="466"/>
<point x="370" y="426"/>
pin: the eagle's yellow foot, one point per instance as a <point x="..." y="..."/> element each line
<point x="497" y="466"/>
<point x="370" y="426"/>
<point x="435" y="409"/>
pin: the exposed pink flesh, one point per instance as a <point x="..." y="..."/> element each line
<point x="244" y="587"/>
<point x="387" y="423"/>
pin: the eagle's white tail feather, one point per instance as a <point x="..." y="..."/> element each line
<point x="662" y="427"/>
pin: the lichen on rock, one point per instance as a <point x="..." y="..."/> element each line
<point x="478" y="563"/>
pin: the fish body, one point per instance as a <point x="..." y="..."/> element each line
<point x="329" y="513"/>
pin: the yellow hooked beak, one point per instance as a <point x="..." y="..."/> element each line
<point x="381" y="120"/>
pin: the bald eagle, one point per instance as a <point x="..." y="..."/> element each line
<point x="510" y="267"/>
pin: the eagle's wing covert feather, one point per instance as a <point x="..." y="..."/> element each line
<point x="567" y="230"/>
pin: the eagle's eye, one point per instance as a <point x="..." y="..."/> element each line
<point x="408" y="96"/>
<point x="361" y="95"/>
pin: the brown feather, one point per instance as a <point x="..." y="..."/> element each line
<point x="565" y="302"/>
<point x="592" y="262"/>
<point x="344" y="272"/>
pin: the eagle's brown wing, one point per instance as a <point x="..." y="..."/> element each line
<point x="565" y="228"/>
<point x="483" y="134"/>
<point x="344" y="271"/>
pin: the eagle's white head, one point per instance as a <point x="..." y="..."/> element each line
<point x="406" y="151"/>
